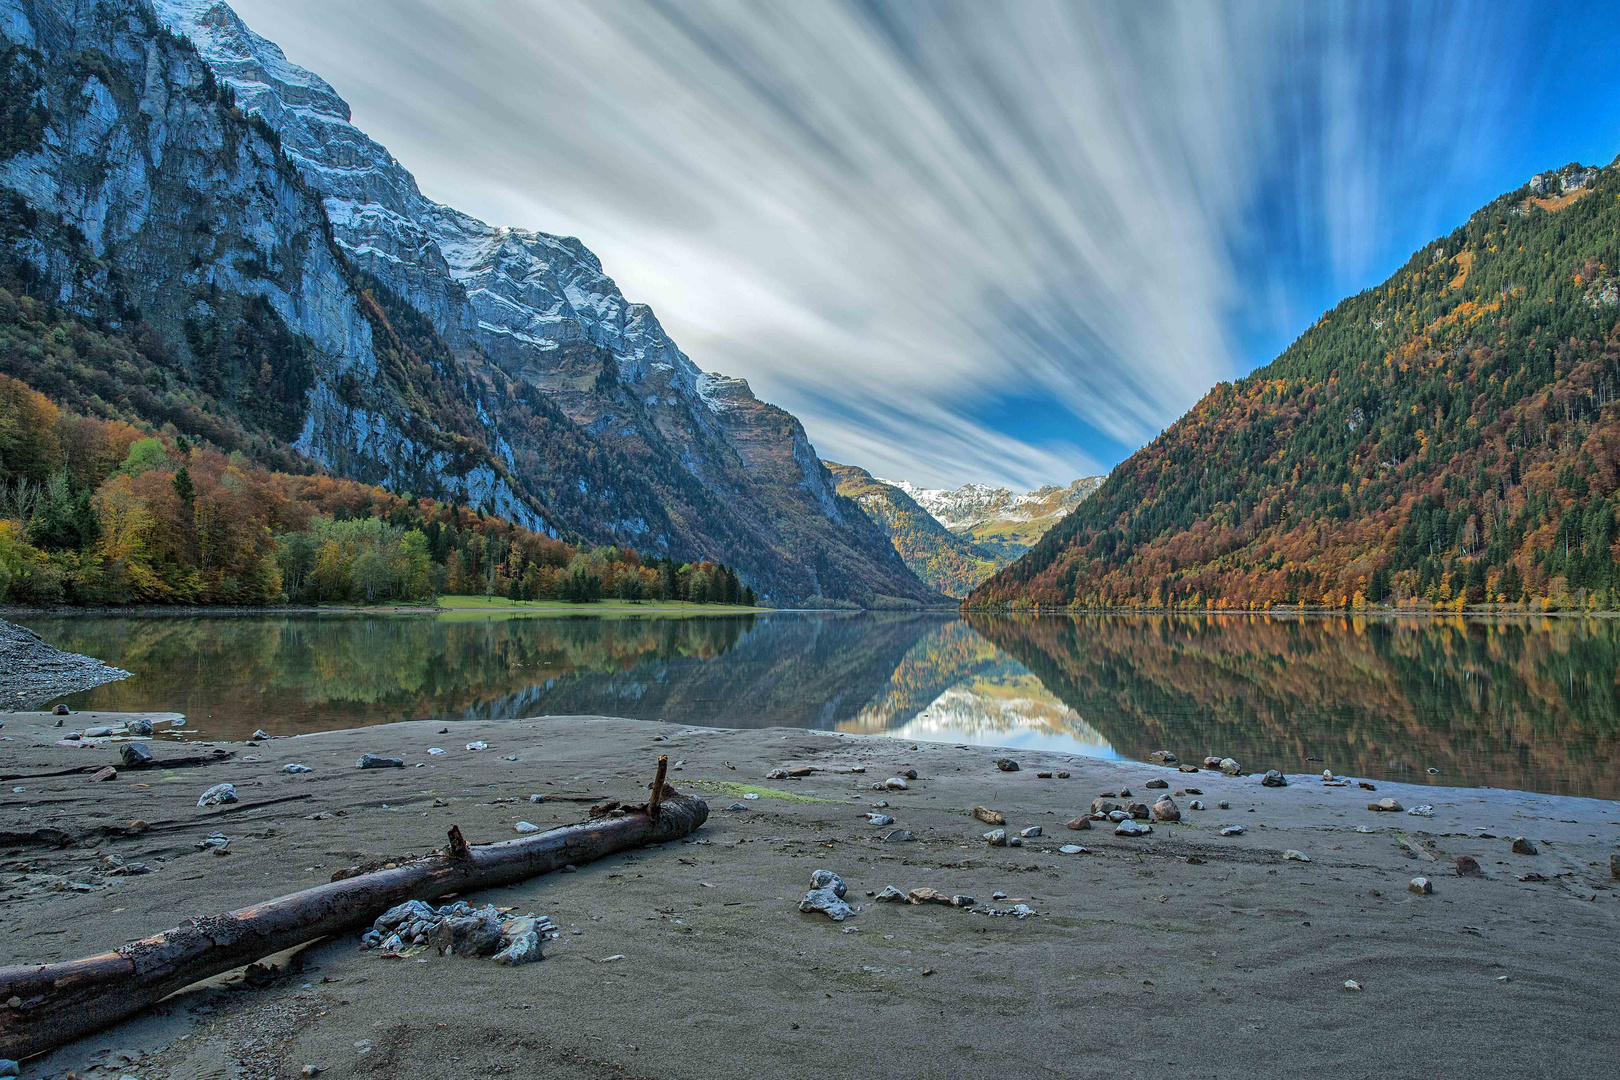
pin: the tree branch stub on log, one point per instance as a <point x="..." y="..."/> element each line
<point x="61" y="1002"/>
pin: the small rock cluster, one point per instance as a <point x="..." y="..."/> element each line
<point x="461" y="929"/>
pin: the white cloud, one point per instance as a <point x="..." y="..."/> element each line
<point x="885" y="218"/>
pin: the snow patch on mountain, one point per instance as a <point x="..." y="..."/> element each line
<point x="973" y="505"/>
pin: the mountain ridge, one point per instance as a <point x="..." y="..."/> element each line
<point x="999" y="520"/>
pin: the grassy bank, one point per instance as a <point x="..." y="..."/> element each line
<point x="453" y="607"/>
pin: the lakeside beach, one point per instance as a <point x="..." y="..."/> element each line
<point x="1185" y="949"/>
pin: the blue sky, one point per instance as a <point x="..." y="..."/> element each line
<point x="1001" y="242"/>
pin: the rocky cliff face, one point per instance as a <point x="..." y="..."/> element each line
<point x="714" y="471"/>
<point x="424" y="349"/>
<point x="138" y="195"/>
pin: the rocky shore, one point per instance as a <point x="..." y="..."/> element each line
<point x="33" y="672"/>
<point x="1067" y="917"/>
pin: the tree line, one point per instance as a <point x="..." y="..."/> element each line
<point x="97" y="511"/>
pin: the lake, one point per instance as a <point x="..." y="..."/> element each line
<point x="1532" y="704"/>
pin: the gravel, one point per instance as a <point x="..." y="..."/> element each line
<point x="33" y="672"/>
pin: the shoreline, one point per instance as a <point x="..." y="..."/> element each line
<point x="1219" y="939"/>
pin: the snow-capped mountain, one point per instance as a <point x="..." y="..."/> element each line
<point x="1006" y="522"/>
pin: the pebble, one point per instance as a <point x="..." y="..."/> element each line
<point x="1081" y="822"/>
<point x="896" y="783"/>
<point x="310" y="1070"/>
<point x="1032" y="831"/>
<point x="294" y="767"/>
<point x="1196" y="805"/>
<point x="1006" y="764"/>
<point x="1212" y="762"/>
<point x="751" y="796"/>
<point x="1043" y="776"/>
<point x="1351" y="984"/>
<point x="998" y="896"/>
<point x="909" y="774"/>
<point x="1385" y="805"/>
<point x="1072" y="849"/>
<point x="1156" y="783"/>
<point x="737" y="806"/>
<point x="435" y="750"/>
<point x="219" y="793"/>
<point x="537" y="798"/>
<point x="1232" y="830"/>
<point x="1131" y="827"/>
<point x="526" y="827"/>
<point x="961" y="900"/>
<point x="1163" y="757"/>
<point x="74" y="736"/>
<point x="1139" y="810"/>
<point x="1117" y="816"/>
<point x="372" y="761"/>
<point x="1103" y="806"/>
<point x="988" y="816"/>
<point x="479" y="745"/>
<point x="1522" y="846"/>
<point x="1421" y="811"/>
<point x="138" y="726"/>
<point x="97" y="732"/>
<point x="106" y="773"/>
<point x="890" y="895"/>
<point x="826" y="895"/>
<point x="1166" y="810"/>
<point x="880" y="819"/>
<point x="1366" y="785"/>
<point x="1229" y="766"/>
<point x="1296" y="856"/>
<point x="60" y="710"/>
<point x="1189" y="768"/>
<point x="1063" y="776"/>
<point x="881" y="804"/>
<point x="899" y="836"/>
<point x="996" y="837"/>
<point x="1273" y="778"/>
<point x="1420" y="885"/>
<point x="513" y="757"/>
<point x="1223" y="805"/>
<point x="1468" y="866"/>
<point x="260" y="735"/>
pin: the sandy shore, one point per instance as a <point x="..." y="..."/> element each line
<point x="1183" y="952"/>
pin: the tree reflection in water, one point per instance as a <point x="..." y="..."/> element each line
<point x="1523" y="703"/>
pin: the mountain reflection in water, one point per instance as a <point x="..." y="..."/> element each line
<point x="1532" y="704"/>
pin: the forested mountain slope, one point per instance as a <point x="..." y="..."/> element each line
<point x="1449" y="437"/>
<point x="944" y="560"/>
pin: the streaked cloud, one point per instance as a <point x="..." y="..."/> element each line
<point x="969" y="241"/>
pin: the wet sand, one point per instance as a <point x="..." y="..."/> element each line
<point x="1183" y="952"/>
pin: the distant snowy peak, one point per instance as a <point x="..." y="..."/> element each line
<point x="975" y="505"/>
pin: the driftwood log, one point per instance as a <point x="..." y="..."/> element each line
<point x="44" y="1006"/>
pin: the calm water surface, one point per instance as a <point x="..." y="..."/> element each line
<point x="1530" y="704"/>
